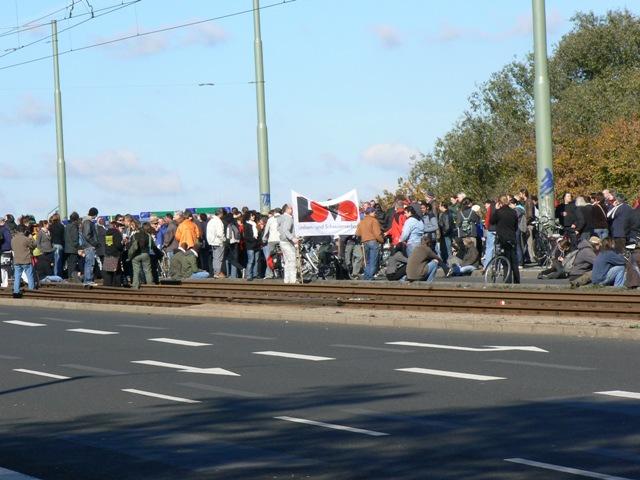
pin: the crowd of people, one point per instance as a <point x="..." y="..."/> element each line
<point x="457" y="236"/>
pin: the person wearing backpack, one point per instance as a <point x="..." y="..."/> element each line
<point x="466" y="220"/>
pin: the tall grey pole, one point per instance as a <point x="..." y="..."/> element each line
<point x="544" y="146"/>
<point x="62" y="170"/>
<point x="263" y="141"/>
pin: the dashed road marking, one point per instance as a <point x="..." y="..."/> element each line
<point x="621" y="394"/>
<point x="41" y="374"/>
<point x="159" y="395"/>
<point x="91" y="332"/>
<point x="25" y="324"/>
<point x="188" y="368"/>
<point x="444" y="373"/>
<point x="333" y="426"/>
<point x="376" y="349"/>
<point x="489" y="348"/>
<point x="298" y="356"/>
<point x="560" y="468"/>
<point x="237" y="335"/>
<point x="175" y="341"/>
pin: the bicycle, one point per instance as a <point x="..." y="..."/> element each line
<point x="546" y="242"/>
<point x="313" y="267"/>
<point x="499" y="268"/>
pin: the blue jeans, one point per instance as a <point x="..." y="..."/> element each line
<point x="615" y="276"/>
<point x="458" y="270"/>
<point x="17" y="274"/>
<point x="200" y="275"/>
<point x="371" y="249"/>
<point x="432" y="268"/>
<point x="58" y="259"/>
<point x="602" y="233"/>
<point x="252" y="264"/>
<point x="89" y="263"/>
<point x="488" y="247"/>
<point x="447" y="245"/>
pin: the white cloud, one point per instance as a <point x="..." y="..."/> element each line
<point x="207" y="34"/>
<point x="388" y="36"/>
<point x="122" y="172"/>
<point x="28" y="111"/>
<point x="521" y="27"/>
<point x="389" y="156"/>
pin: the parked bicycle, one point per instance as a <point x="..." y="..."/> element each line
<point x="499" y="268"/>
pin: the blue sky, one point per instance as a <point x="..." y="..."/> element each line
<point x="353" y="87"/>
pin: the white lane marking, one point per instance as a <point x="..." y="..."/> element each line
<point x="42" y="374"/>
<point x="333" y="426"/>
<point x="569" y="470"/>
<point x="365" y="347"/>
<point x="299" y="356"/>
<point x="237" y="335"/>
<point x="63" y="320"/>
<point x="444" y="373"/>
<point x="143" y="327"/>
<point x="87" y="368"/>
<point x="187" y="368"/>
<point x="542" y="365"/>
<point x="175" y="341"/>
<point x="227" y="391"/>
<point x="91" y="332"/>
<point x="11" y="475"/>
<point x="25" y="324"/>
<point x="621" y="393"/>
<point x="159" y="395"/>
<point x="488" y="348"/>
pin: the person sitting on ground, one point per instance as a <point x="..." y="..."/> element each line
<point x="396" y="267"/>
<point x="609" y="266"/>
<point x="423" y="262"/>
<point x="470" y="259"/>
<point x="22" y="245"/>
<point x="580" y="273"/>
<point x="184" y="265"/>
<point x="558" y="269"/>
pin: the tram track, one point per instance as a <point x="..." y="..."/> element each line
<point x="591" y="303"/>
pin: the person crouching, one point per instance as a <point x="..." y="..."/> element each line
<point x="423" y="262"/>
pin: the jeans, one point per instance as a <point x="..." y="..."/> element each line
<point x="217" y="255"/>
<point x="17" y="274"/>
<point x="447" y="246"/>
<point x="89" y="263"/>
<point x="58" y="259"/>
<point x="488" y="248"/>
<point x="252" y="264"/>
<point x="432" y="269"/>
<point x="615" y="276"/>
<point x="458" y="270"/>
<point x="141" y="262"/>
<point x="602" y="233"/>
<point x="371" y="249"/>
<point x="199" y="275"/>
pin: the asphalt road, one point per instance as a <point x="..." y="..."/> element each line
<point x="270" y="399"/>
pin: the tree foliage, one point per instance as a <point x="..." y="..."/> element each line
<point x="595" y="87"/>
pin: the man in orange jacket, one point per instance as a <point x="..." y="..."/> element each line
<point x="188" y="232"/>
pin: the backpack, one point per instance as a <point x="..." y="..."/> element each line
<point x="467" y="227"/>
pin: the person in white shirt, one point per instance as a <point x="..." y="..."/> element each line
<point x="216" y="239"/>
<point x="271" y="238"/>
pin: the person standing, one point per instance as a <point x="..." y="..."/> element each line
<point x="57" y="239"/>
<point x="5" y="253"/>
<point x="139" y="254"/>
<point x="113" y="248"/>
<point x="271" y="239"/>
<point x="22" y="245"/>
<point x="505" y="220"/>
<point x="216" y="239"/>
<point x="72" y="246"/>
<point x="618" y="219"/>
<point x="371" y="237"/>
<point x="288" y="243"/>
<point x="89" y="243"/>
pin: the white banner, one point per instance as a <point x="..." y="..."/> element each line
<point x="339" y="216"/>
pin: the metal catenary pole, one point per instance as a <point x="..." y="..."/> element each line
<point x="61" y="168"/>
<point x="544" y="145"/>
<point x="263" y="141"/>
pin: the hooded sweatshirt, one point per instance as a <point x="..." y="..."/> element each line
<point x="585" y="257"/>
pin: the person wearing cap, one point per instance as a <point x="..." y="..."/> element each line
<point x="371" y="237"/>
<point x="89" y="243"/>
<point x="5" y="252"/>
<point x="580" y="273"/>
<point x="618" y="219"/>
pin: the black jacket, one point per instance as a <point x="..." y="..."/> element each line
<point x="632" y="225"/>
<point x="566" y="213"/>
<point x="57" y="233"/>
<point x="506" y="221"/>
<point x="250" y="242"/>
<point x="599" y="216"/>
<point x="71" y="240"/>
<point x="584" y="222"/>
<point x="113" y="243"/>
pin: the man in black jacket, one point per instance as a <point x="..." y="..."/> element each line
<point x="506" y="221"/>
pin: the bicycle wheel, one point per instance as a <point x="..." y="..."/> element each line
<point x="498" y="270"/>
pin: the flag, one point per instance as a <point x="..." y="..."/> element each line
<point x="312" y="218"/>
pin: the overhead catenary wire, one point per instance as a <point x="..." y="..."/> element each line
<point x="151" y="32"/>
<point x="47" y="37"/>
